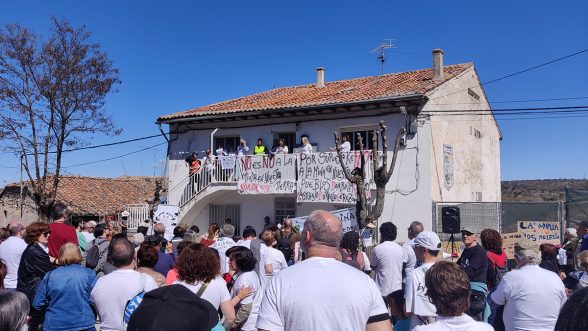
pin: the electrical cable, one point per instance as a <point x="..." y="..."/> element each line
<point x="113" y="158"/>
<point x="510" y="101"/>
<point x="516" y="73"/>
<point x="102" y="145"/>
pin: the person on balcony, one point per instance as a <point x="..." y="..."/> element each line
<point x="242" y="149"/>
<point x="306" y="146"/>
<point x="260" y="148"/>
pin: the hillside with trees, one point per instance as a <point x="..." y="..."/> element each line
<point x="540" y="190"/>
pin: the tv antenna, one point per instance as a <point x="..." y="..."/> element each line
<point x="381" y="49"/>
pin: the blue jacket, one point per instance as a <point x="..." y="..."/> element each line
<point x="65" y="293"/>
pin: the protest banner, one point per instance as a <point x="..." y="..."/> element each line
<point x="228" y="162"/>
<point x="266" y="175"/>
<point x="531" y="233"/>
<point x="346" y="216"/>
<point x="321" y="178"/>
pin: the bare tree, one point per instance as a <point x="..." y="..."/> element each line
<point x="52" y="93"/>
<point x="381" y="174"/>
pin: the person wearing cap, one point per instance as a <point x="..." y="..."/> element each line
<point x="11" y="251"/>
<point x="474" y="262"/>
<point x="532" y="296"/>
<point x="223" y="243"/>
<point x="175" y="308"/>
<point x="448" y="288"/>
<point x="418" y="306"/>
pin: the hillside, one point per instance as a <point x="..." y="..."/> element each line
<point x="540" y="190"/>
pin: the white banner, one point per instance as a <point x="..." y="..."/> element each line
<point x="321" y="178"/>
<point x="168" y="216"/>
<point x="228" y="162"/>
<point x="267" y="175"/>
<point x="346" y="216"/>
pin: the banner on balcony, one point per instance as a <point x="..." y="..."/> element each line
<point x="228" y="162"/>
<point x="321" y="178"/>
<point x="346" y="216"/>
<point x="266" y="175"/>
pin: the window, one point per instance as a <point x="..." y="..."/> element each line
<point x="229" y="143"/>
<point x="284" y="207"/>
<point x="366" y="135"/>
<point x="218" y="213"/>
<point x="289" y="139"/>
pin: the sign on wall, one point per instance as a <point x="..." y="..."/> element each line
<point x="346" y="216"/>
<point x="321" y="178"/>
<point x="448" y="166"/>
<point x="266" y="175"/>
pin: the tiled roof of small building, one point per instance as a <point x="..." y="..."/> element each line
<point x="336" y="92"/>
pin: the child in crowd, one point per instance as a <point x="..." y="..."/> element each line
<point x="395" y="301"/>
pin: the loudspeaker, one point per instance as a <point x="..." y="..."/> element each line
<point x="450" y="221"/>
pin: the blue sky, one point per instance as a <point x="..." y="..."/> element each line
<point x="176" y="55"/>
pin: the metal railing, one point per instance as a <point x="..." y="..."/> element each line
<point x="137" y="214"/>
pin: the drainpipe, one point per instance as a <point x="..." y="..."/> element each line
<point x="211" y="139"/>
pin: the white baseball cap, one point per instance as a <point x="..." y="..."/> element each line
<point x="428" y="240"/>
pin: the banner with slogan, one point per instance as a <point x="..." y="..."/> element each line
<point x="266" y="175"/>
<point x="321" y="178"/>
<point x="346" y="216"/>
<point x="228" y="162"/>
<point x="531" y="233"/>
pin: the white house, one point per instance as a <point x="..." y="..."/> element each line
<point x="447" y="155"/>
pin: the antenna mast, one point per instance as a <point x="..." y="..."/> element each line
<point x="380" y="49"/>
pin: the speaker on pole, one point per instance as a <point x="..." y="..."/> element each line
<point x="450" y="220"/>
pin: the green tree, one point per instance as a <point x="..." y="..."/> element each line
<point x="52" y="97"/>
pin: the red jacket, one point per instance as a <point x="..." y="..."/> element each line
<point x="61" y="233"/>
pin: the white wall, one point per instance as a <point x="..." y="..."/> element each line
<point x="476" y="161"/>
<point x="413" y="203"/>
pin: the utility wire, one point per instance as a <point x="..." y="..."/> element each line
<point x="510" y="101"/>
<point x="517" y="73"/>
<point x="102" y="145"/>
<point x="114" y="158"/>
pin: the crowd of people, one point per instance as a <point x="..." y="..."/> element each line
<point x="74" y="276"/>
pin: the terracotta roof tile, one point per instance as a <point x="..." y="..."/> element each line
<point x="343" y="91"/>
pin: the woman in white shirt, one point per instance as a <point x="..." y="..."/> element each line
<point x="282" y="148"/>
<point x="242" y="262"/>
<point x="276" y="258"/>
<point x="306" y="146"/>
<point x="199" y="266"/>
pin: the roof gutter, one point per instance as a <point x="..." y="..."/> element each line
<point x="410" y="97"/>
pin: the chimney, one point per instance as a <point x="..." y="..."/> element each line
<point x="438" y="63"/>
<point x="320" y="77"/>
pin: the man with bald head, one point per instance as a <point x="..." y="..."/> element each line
<point x="10" y="252"/>
<point x="165" y="261"/>
<point x="288" y="235"/>
<point x="321" y="292"/>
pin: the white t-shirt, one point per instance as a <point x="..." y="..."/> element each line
<point x="277" y="260"/>
<point x="345" y="147"/>
<point x="216" y="292"/>
<point x="415" y="294"/>
<point x="307" y="149"/>
<point x="387" y="260"/>
<point x="320" y="294"/>
<point x="410" y="256"/>
<point x="264" y="259"/>
<point x="10" y="253"/>
<point x="89" y="237"/>
<point x="367" y="266"/>
<point x="532" y="298"/>
<point x="111" y="293"/>
<point x="455" y="323"/>
<point x="222" y="244"/>
<point x="249" y="279"/>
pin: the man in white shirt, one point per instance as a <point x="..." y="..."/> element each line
<point x="260" y="252"/>
<point x="449" y="290"/>
<point x="223" y="243"/>
<point x="112" y="292"/>
<point x="410" y="261"/>
<point x="418" y="306"/>
<point x="532" y="296"/>
<point x="387" y="260"/>
<point x="10" y="253"/>
<point x="88" y="232"/>
<point x="322" y="293"/>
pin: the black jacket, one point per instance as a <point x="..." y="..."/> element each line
<point x="34" y="264"/>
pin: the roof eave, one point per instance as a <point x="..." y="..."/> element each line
<point x="407" y="97"/>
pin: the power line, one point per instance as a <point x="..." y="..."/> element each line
<point x="500" y="110"/>
<point x="518" y="72"/>
<point x="102" y="145"/>
<point x="511" y="101"/>
<point x="114" y="158"/>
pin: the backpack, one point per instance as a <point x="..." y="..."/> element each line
<point x="285" y="247"/>
<point x="133" y="302"/>
<point x="499" y="271"/>
<point x="95" y="254"/>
